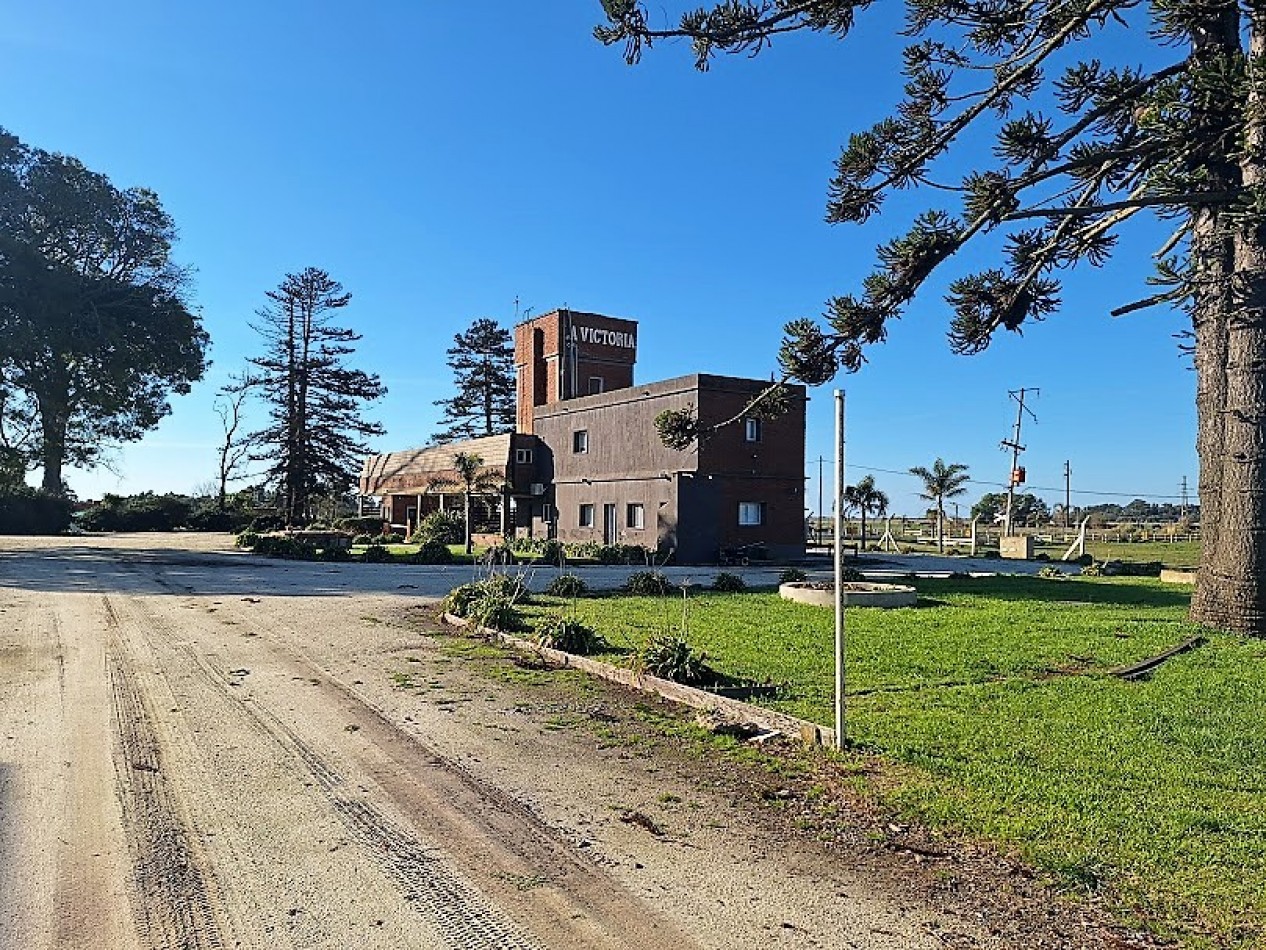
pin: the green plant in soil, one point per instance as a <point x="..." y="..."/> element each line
<point x="996" y="695"/>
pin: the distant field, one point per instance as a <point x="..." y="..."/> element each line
<point x="995" y="695"/>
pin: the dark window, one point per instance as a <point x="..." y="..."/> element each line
<point x="580" y="440"/>
<point x="635" y="515"/>
<point x="523" y="456"/>
<point x="596" y="385"/>
<point x="586" y="516"/>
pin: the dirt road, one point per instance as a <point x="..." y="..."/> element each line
<point x="206" y="750"/>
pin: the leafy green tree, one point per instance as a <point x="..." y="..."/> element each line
<point x="471" y="479"/>
<point x="941" y="481"/>
<point x="96" y="332"/>
<point x="866" y="499"/>
<point x="1027" y="507"/>
<point x="1085" y="140"/>
<point x="482" y="361"/>
<point x="313" y="443"/>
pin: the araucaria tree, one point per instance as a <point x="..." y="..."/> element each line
<point x="1083" y="141"/>
<point x="482" y="361"/>
<point x="313" y="443"/>
<point x="95" y="329"/>
<point x="941" y="481"/>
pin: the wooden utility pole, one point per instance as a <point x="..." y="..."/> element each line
<point x="1017" y="473"/>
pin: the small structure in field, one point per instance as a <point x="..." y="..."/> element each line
<point x="856" y="594"/>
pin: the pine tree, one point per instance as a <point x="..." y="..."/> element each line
<point x="314" y="438"/>
<point x="482" y="360"/>
<point x="1084" y="141"/>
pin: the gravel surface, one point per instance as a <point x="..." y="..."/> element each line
<point x="204" y="749"/>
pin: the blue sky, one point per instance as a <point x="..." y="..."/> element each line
<point x="444" y="159"/>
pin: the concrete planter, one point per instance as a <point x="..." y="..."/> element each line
<point x="856" y="594"/>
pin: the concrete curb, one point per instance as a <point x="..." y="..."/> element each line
<point x="808" y="732"/>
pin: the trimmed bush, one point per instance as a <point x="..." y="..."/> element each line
<point x="671" y="657"/>
<point x="566" y="585"/>
<point x="649" y="584"/>
<point x="377" y="554"/>
<point x="360" y="525"/>
<point x="27" y="511"/>
<point x="568" y="634"/>
<point x="727" y="583"/>
<point x="446" y="527"/>
<point x="279" y="545"/>
<point x="432" y="552"/>
<point x="144" y="512"/>
<point x="791" y="575"/>
<point x="391" y="537"/>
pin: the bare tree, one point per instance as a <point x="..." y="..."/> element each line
<point x="235" y="449"/>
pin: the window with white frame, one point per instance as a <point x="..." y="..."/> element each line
<point x="547" y="513"/>
<point x="635" y="515"/>
<point x="586" y="516"/>
<point x="751" y="513"/>
<point x="580" y="441"/>
<point x="751" y="430"/>
<point x="523" y="456"/>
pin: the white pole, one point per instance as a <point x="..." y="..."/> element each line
<point x="839" y="569"/>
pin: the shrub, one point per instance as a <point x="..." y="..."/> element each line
<point x="567" y="634"/>
<point x="334" y="554"/>
<point x="991" y="555"/>
<point x="458" y="600"/>
<point x="282" y="546"/>
<point x="377" y="554"/>
<point x="649" y="583"/>
<point x="610" y="554"/>
<point x="851" y="575"/>
<point x="391" y="537"/>
<point x="372" y="525"/>
<point x="214" y="519"/>
<point x="551" y="551"/>
<point x="1050" y="571"/>
<point x="509" y="586"/>
<point x="247" y="539"/>
<point x="446" y="527"/>
<point x="499" y="554"/>
<point x="1041" y="556"/>
<point x="365" y="540"/>
<point x="1084" y="559"/>
<point x="432" y="552"/>
<point x="728" y="583"/>
<point x="495" y="610"/>
<point x="27" y="511"/>
<point x="144" y="512"/>
<point x="1091" y="570"/>
<point x="791" y="575"/>
<point x="262" y="524"/>
<point x="582" y="549"/>
<point x="671" y="657"/>
<point x="566" y="585"/>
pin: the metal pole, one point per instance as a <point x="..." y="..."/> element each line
<point x="821" y="524"/>
<point x="840" y="736"/>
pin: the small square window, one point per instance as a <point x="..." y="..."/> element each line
<point x="580" y="441"/>
<point x="751" y="513"/>
<point x="523" y="456"/>
<point x="586" y="516"/>
<point x="635" y="516"/>
<point x="596" y="385"/>
<point x="751" y="430"/>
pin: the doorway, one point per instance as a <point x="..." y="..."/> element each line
<point x="609" y="527"/>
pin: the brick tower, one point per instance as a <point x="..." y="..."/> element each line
<point x="566" y="353"/>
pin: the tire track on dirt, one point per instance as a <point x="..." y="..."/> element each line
<point x="498" y="843"/>
<point x="428" y="883"/>
<point x="177" y="902"/>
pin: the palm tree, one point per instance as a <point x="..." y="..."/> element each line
<point x="868" y="500"/>
<point x="473" y="479"/>
<point x="941" y="481"/>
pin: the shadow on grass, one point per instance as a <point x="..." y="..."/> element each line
<point x="1132" y="592"/>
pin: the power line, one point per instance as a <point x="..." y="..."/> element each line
<point x="1060" y="488"/>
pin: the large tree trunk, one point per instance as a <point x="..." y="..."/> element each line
<point x="52" y="399"/>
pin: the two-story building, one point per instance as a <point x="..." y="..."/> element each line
<point x="587" y="464"/>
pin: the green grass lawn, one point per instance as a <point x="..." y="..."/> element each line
<point x="996" y="696"/>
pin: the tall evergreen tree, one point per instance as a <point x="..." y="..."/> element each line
<point x="1084" y="141"/>
<point x="96" y="332"/>
<point x="313" y="443"/>
<point x="482" y="360"/>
